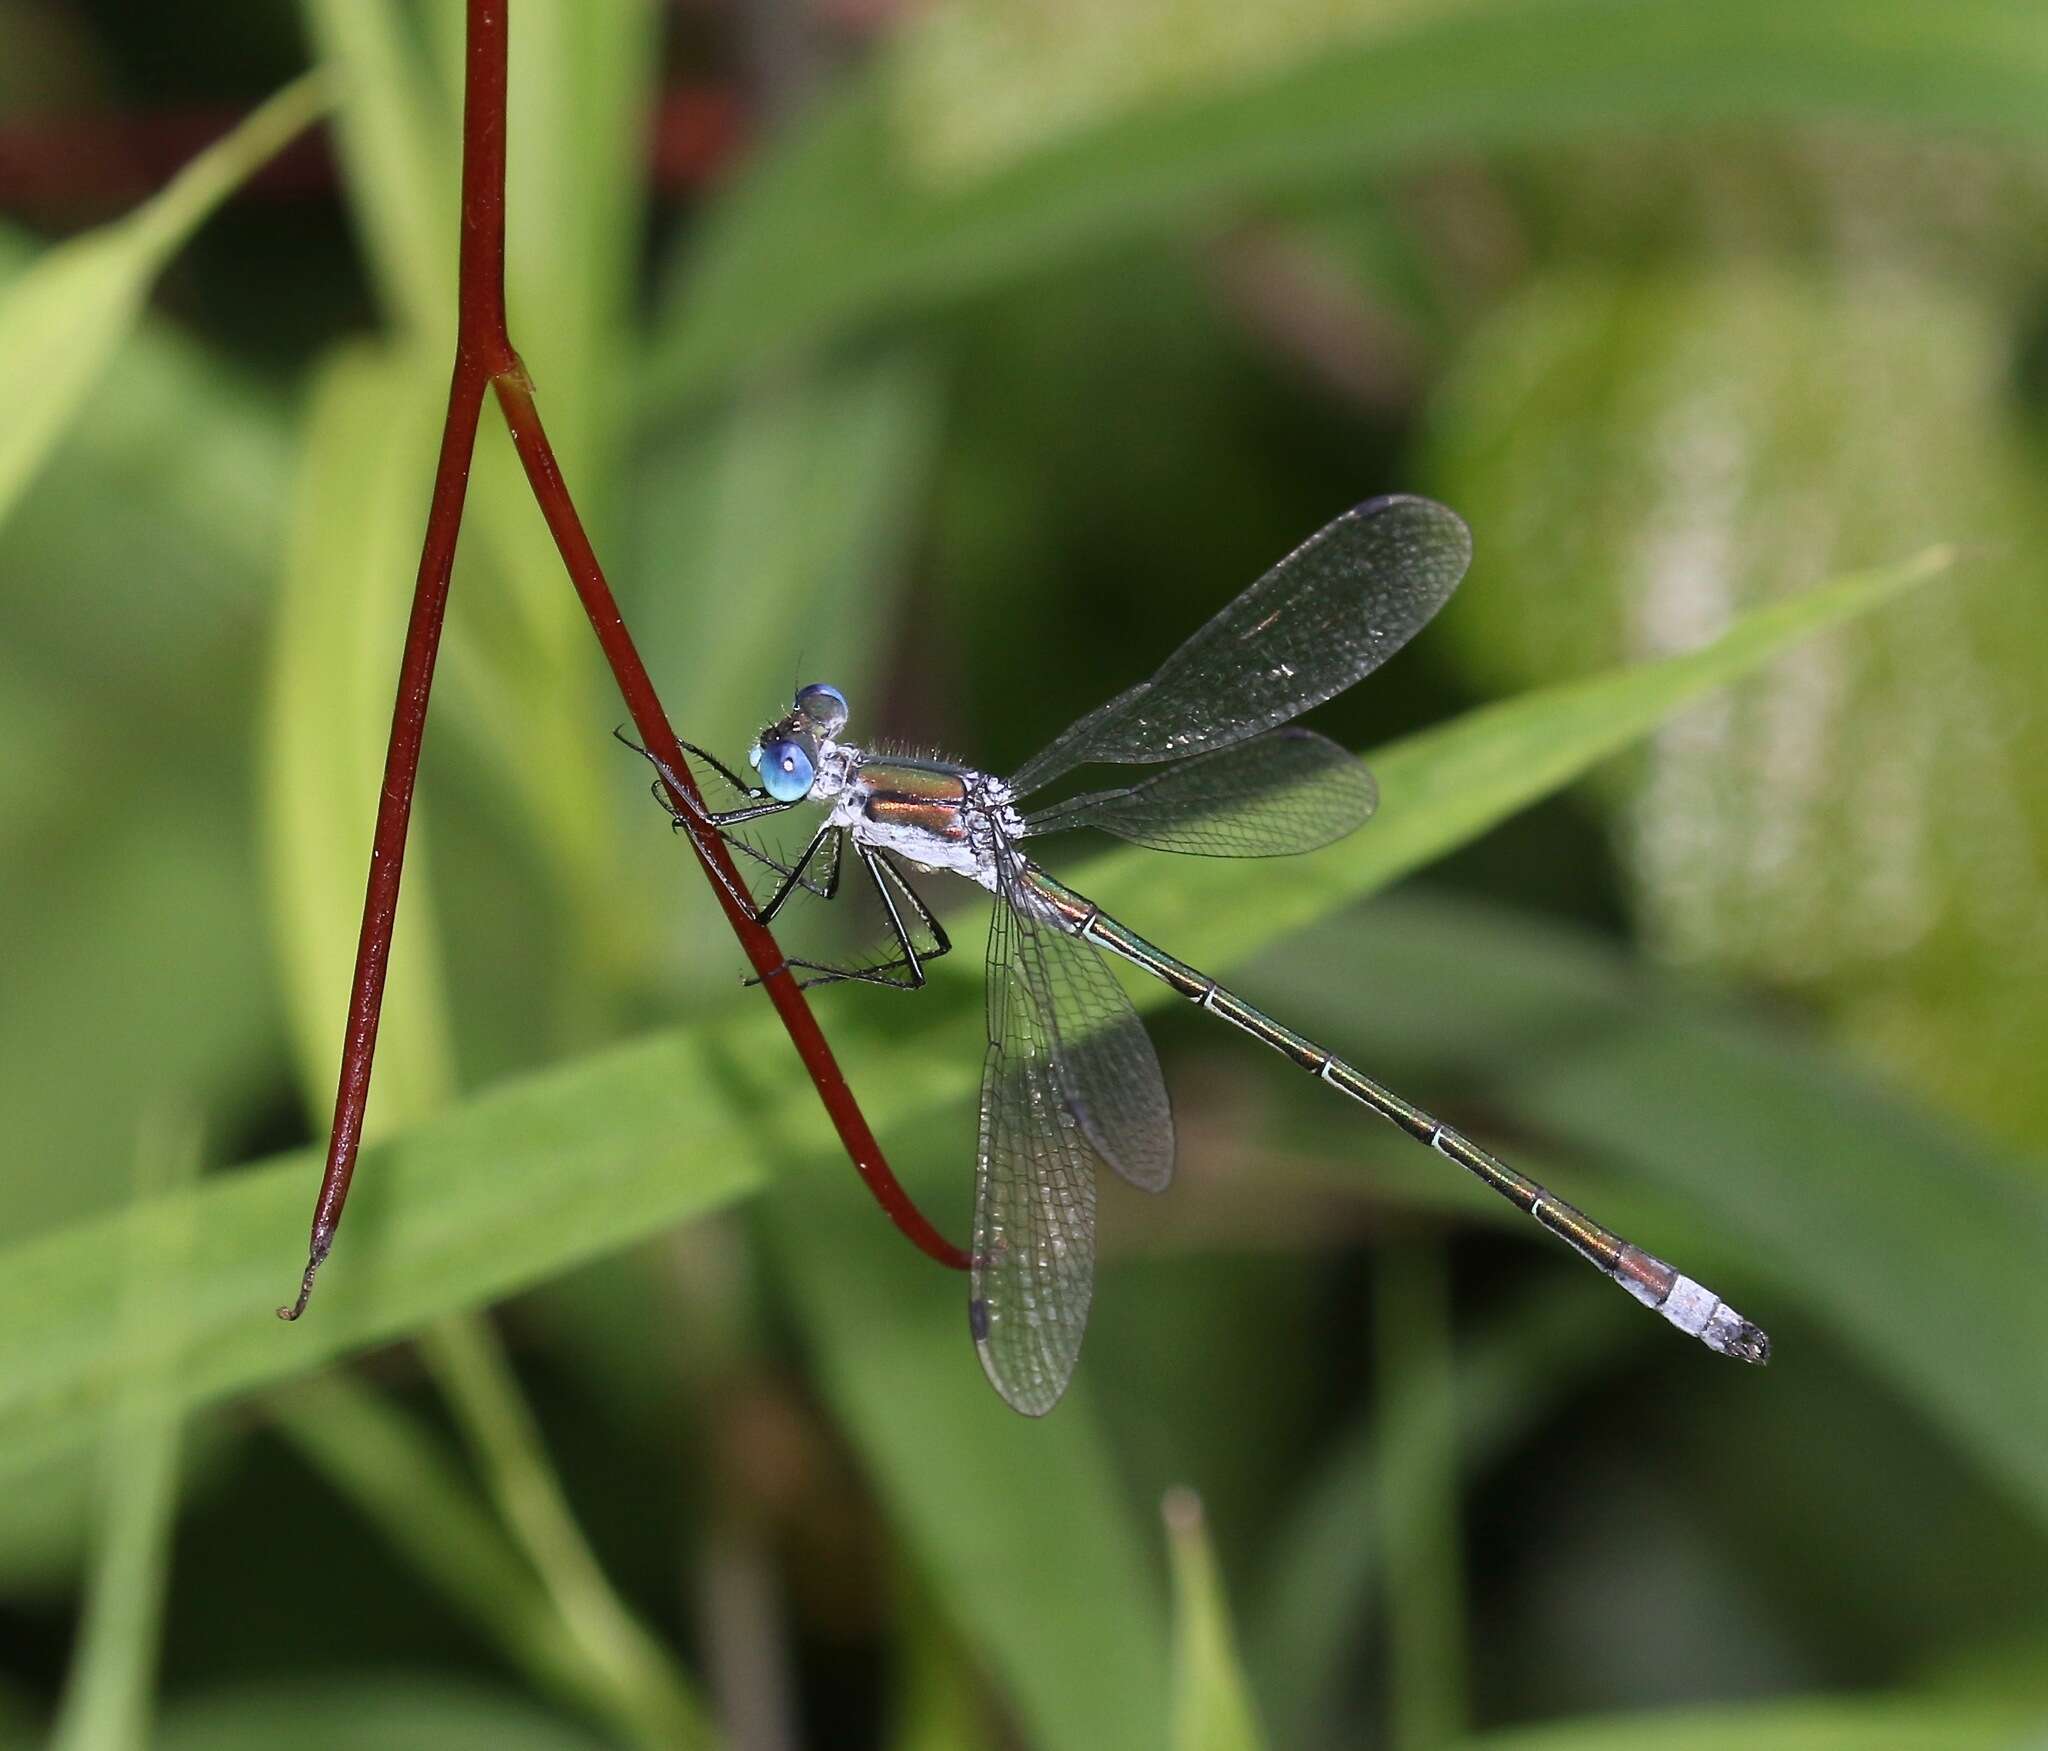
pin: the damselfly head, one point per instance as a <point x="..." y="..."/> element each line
<point x="785" y="754"/>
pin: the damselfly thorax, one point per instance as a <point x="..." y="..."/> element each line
<point x="933" y="813"/>
<point x="1070" y="1078"/>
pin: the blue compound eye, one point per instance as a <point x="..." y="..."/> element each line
<point x="785" y="768"/>
<point x="824" y="706"/>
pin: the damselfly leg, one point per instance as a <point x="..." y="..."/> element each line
<point x="686" y="815"/>
<point x="909" y="924"/>
<point x="906" y="916"/>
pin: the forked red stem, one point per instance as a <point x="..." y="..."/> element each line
<point x="485" y="359"/>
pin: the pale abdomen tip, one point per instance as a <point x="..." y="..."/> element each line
<point x="1733" y="1335"/>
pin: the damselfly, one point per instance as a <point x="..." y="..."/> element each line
<point x="1070" y="1077"/>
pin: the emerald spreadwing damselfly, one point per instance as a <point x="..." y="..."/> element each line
<point x="1070" y="1077"/>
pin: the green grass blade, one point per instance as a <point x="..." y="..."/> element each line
<point x="626" y="1661"/>
<point x="1414" y="1385"/>
<point x="1321" y="1582"/>
<point x="505" y="1190"/>
<point x="578" y="92"/>
<point x="107" y="1694"/>
<point x="196" y="451"/>
<point x="62" y="321"/>
<point x="1874" y="1723"/>
<point x="133" y="573"/>
<point x="937" y="1704"/>
<point x="1054" y="1591"/>
<point x="1211" y="1704"/>
<point x="554" y="1169"/>
<point x="399" y="145"/>
<point x="161" y="883"/>
<point x="876" y="237"/>
<point x="404" y="1483"/>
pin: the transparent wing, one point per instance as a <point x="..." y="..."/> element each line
<point x="1326" y="616"/>
<point x="1108" y="1072"/>
<point x="1286" y="791"/>
<point x="1070" y="1076"/>
<point x="1034" y="1201"/>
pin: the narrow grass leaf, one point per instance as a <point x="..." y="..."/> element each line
<point x="1419" y="1509"/>
<point x="579" y="88"/>
<point x="848" y="223"/>
<point x="1314" y="1607"/>
<point x="1030" y="1547"/>
<point x="196" y="454"/>
<point x="107" y="1694"/>
<point x="621" y="1657"/>
<point x="936" y="1703"/>
<point x="62" y="321"/>
<point x="399" y="147"/>
<point x="1211" y="1704"/>
<point x="1868" y="1723"/>
<point x="405" y="1485"/>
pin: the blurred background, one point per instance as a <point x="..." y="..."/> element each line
<point x="967" y="355"/>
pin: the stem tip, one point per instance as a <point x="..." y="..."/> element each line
<point x="298" y="1307"/>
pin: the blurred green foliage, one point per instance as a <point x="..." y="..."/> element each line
<point x="1015" y="341"/>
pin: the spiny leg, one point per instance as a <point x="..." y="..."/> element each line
<point x="710" y="759"/>
<point x="905" y="970"/>
<point x="691" y="817"/>
<point x="793" y="877"/>
<point x="758" y="803"/>
<point x="823" y="887"/>
<point x="885" y="870"/>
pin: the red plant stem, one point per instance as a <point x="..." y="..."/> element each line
<point x="515" y="397"/>
<point x="484" y="358"/>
